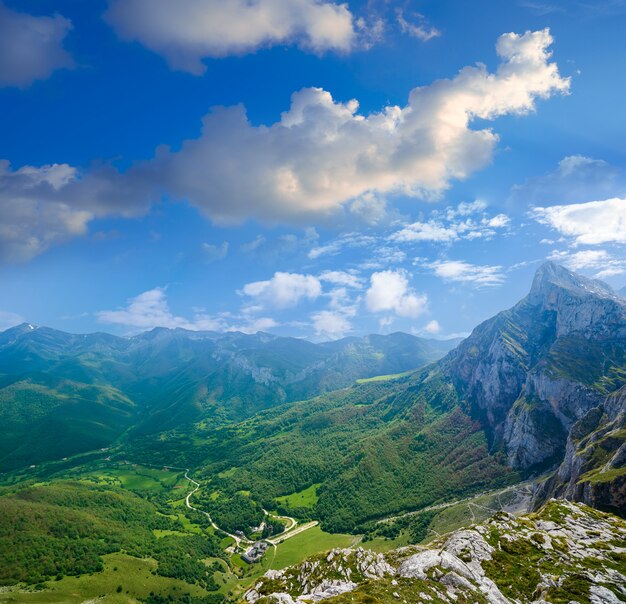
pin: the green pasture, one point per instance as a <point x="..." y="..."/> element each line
<point x="308" y="543"/>
<point x="302" y="499"/>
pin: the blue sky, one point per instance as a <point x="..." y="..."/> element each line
<point x="304" y="167"/>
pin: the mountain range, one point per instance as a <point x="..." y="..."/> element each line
<point x="62" y="394"/>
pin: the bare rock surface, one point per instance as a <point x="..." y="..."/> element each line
<point x="566" y="552"/>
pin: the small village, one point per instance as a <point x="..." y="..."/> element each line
<point x="256" y="552"/>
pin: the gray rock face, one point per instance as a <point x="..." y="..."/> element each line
<point x="583" y="306"/>
<point x="565" y="541"/>
<point x="533" y="372"/>
<point x="594" y="466"/>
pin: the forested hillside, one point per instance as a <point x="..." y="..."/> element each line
<point x="62" y="394"/>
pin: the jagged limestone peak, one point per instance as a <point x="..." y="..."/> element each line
<point x="551" y="277"/>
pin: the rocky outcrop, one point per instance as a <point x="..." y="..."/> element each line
<point x="566" y="553"/>
<point x="321" y="578"/>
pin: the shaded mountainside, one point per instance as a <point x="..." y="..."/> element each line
<point x="537" y="386"/>
<point x="61" y="393"/>
<point x="565" y="553"/>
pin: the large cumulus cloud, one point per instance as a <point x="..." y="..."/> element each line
<point x="320" y="155"/>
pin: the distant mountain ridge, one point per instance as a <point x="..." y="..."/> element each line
<point x="63" y="393"/>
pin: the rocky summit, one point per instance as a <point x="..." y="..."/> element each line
<point x="566" y="553"/>
<point x="547" y="378"/>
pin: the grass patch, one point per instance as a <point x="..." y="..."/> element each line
<point x="306" y="498"/>
<point x="384" y="378"/>
<point x="314" y="541"/>
<point x="133" y="574"/>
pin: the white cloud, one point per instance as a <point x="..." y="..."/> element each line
<point x="576" y="179"/>
<point x="31" y="47"/>
<point x="321" y="155"/>
<point x="464" y="272"/>
<point x="187" y="31"/>
<point x="600" y="261"/>
<point x="453" y="224"/>
<point x="252" y="325"/>
<point x="33" y="214"/>
<point x="419" y="28"/>
<point x="590" y="223"/>
<point x="331" y="324"/>
<point x="432" y="327"/>
<point x="283" y="290"/>
<point x="151" y="309"/>
<point x="499" y="221"/>
<point x="212" y="252"/>
<point x="390" y="291"/>
<point x="466" y="208"/>
<point x="425" y="231"/>
<point x="9" y="319"/>
<point x="47" y="205"/>
<point x="342" y="278"/>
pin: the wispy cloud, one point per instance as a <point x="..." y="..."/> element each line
<point x="416" y="25"/>
<point x="151" y="309"/>
<point x="576" y="179"/>
<point x="9" y="319"/>
<point x="212" y="252"/>
<point x="542" y="8"/>
<point x="453" y="224"/>
<point x="464" y="272"/>
<point x="601" y="262"/>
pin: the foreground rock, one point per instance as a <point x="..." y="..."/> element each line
<point x="567" y="553"/>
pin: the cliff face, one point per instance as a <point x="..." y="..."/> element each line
<point x="594" y="466"/>
<point x="540" y="374"/>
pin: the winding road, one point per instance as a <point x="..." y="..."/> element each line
<point x="238" y="540"/>
<point x="291" y="531"/>
<point x="521" y="487"/>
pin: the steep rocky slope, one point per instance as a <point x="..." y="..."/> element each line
<point x="546" y="377"/>
<point x="565" y="553"/>
<point x="532" y="371"/>
<point x="594" y="467"/>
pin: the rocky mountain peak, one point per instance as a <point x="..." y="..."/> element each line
<point x="551" y="278"/>
<point x="584" y="306"/>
